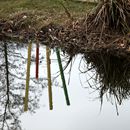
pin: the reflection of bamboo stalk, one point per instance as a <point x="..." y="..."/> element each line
<point x="49" y="77"/>
<point x="27" y="77"/>
<point x="37" y="60"/>
<point x="62" y="76"/>
<point x="6" y="65"/>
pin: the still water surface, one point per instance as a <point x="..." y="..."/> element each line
<point x="84" y="111"/>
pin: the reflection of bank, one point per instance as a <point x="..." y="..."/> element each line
<point x="103" y="39"/>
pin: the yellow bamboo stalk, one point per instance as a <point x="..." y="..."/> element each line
<point x="49" y="78"/>
<point x="27" y="77"/>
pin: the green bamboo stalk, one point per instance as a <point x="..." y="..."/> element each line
<point x="62" y="76"/>
<point x="27" y="77"/>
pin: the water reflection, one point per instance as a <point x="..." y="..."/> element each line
<point x="12" y="98"/>
<point x="12" y="85"/>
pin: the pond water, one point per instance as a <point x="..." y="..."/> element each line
<point x="83" y="113"/>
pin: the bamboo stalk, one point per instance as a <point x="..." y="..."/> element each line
<point x="28" y="77"/>
<point x="37" y="60"/>
<point x="49" y="78"/>
<point x="62" y="76"/>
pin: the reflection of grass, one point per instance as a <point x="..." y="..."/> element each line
<point x="43" y="7"/>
